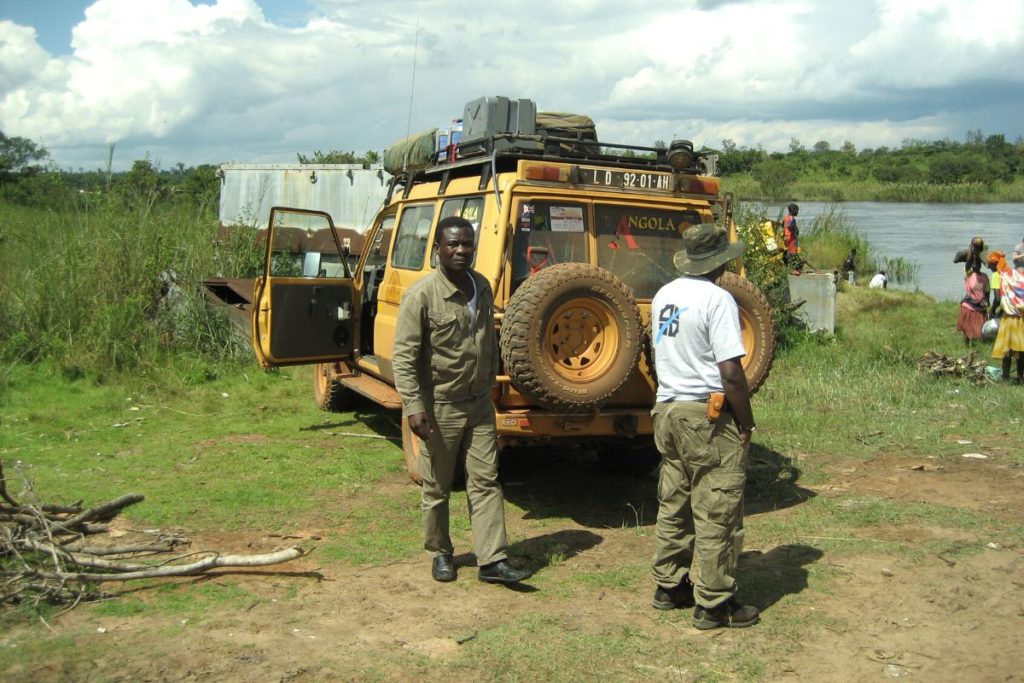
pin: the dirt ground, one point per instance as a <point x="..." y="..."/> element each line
<point x="878" y="615"/>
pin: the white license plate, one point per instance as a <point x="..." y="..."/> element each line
<point x="636" y="180"/>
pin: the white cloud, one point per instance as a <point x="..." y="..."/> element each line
<point x="221" y="82"/>
<point x="935" y="43"/>
<point x="21" y="58"/>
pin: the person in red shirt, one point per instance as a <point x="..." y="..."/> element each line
<point x="791" y="234"/>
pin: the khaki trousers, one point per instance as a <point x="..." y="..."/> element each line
<point x="700" y="500"/>
<point x="463" y="431"/>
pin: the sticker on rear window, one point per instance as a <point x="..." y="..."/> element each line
<point x="567" y="218"/>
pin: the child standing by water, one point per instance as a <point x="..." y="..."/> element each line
<point x="1010" y="339"/>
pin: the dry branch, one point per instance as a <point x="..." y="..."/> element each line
<point x="36" y="565"/>
<point x="215" y="561"/>
<point x="106" y="511"/>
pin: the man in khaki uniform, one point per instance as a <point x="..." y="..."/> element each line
<point x="445" y="363"/>
<point x="697" y="352"/>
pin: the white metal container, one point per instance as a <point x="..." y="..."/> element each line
<point x="350" y="193"/>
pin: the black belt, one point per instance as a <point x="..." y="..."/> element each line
<point x="689" y="400"/>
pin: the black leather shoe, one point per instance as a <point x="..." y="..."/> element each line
<point x="730" y="614"/>
<point x="444" y="568"/>
<point x="502" y="572"/>
<point x="675" y="597"/>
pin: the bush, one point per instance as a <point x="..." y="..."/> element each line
<point x="766" y="270"/>
<point x="774" y="176"/>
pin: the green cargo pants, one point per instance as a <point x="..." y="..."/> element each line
<point x="463" y="430"/>
<point x="700" y="500"/>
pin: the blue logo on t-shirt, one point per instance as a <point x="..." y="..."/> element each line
<point x="669" y="321"/>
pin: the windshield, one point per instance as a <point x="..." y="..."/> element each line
<point x="637" y="243"/>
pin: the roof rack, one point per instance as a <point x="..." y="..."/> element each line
<point x="501" y="151"/>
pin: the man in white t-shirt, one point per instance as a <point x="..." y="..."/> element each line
<point x="697" y="353"/>
<point x="879" y="281"/>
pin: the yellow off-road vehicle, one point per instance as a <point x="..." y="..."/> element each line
<point x="575" y="237"/>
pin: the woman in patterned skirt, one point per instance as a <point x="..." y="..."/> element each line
<point x="1010" y="339"/>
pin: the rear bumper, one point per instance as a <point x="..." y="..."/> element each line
<point x="521" y="427"/>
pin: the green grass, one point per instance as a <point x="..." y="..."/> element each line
<point x="256" y="452"/>
<point x="192" y="600"/>
<point x="864" y="387"/>
<point x="536" y="648"/>
<point x="384" y="529"/>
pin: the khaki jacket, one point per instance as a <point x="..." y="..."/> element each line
<point x="440" y="354"/>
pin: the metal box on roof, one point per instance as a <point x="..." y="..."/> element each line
<point x="486" y="117"/>
<point x="350" y="193"/>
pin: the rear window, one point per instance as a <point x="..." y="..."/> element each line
<point x="548" y="232"/>
<point x="637" y="244"/>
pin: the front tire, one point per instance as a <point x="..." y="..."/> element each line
<point x="328" y="392"/>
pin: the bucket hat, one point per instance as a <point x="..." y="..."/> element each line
<point x="705" y="247"/>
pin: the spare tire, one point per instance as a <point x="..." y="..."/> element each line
<point x="570" y="337"/>
<point x="756" y="327"/>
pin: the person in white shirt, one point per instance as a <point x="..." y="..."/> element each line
<point x="879" y="281"/>
<point x="703" y="441"/>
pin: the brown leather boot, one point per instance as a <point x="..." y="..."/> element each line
<point x="675" y="597"/>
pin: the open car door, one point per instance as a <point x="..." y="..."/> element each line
<point x="304" y="310"/>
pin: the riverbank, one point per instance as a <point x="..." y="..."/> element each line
<point x="745" y="188"/>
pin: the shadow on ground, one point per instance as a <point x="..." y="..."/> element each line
<point x="571" y="482"/>
<point x="772" y="481"/>
<point x="767" y="577"/>
<point x="560" y="545"/>
<point x="384" y="422"/>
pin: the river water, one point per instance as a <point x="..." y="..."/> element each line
<point x="928" y="234"/>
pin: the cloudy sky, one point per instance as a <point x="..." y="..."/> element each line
<point x="260" y="80"/>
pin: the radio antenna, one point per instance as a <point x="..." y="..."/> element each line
<point x="412" y="86"/>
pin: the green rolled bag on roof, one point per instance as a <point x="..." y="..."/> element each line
<point x="563" y="124"/>
<point x="412" y="153"/>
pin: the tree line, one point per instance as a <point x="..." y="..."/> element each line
<point x="29" y="176"/>
<point x="984" y="160"/>
<point x="983" y="163"/>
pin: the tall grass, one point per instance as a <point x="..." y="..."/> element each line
<point x="104" y="282"/>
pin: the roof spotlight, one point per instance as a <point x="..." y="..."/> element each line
<point x="680" y="155"/>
